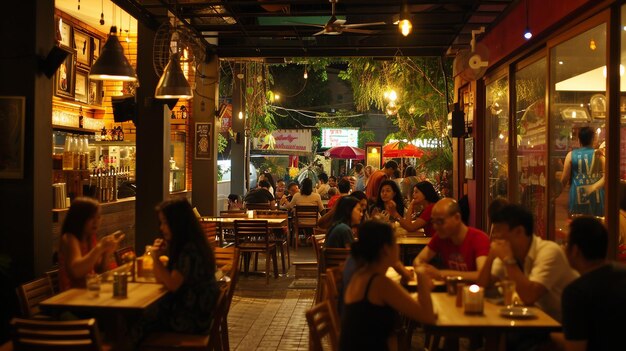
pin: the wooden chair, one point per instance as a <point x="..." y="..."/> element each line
<point x="192" y="342"/>
<point x="225" y="257"/>
<point x="213" y="233"/>
<point x="77" y="335"/>
<point x="31" y="294"/>
<point x="334" y="284"/>
<point x="329" y="258"/>
<point x="280" y="237"/>
<point x="253" y="237"/>
<point x="322" y="324"/>
<point x="53" y="277"/>
<point x="305" y="217"/>
<point x="119" y="254"/>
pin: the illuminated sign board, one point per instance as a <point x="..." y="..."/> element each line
<point x="332" y="137"/>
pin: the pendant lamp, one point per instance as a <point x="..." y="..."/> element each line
<point x="173" y="84"/>
<point x="112" y="64"/>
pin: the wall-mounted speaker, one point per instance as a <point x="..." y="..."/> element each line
<point x="124" y="108"/>
<point x="55" y="58"/>
<point x="458" y="122"/>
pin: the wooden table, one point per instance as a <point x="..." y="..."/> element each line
<point x="453" y="321"/>
<point x="411" y="241"/>
<point x="140" y="296"/>
<point x="112" y="313"/>
<point x="229" y="223"/>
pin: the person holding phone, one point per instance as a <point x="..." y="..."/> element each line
<point x="80" y="252"/>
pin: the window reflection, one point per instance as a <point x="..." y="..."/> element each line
<point x="578" y="106"/>
<point x="497" y="122"/>
<point x="530" y="120"/>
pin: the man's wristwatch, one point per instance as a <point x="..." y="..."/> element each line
<point x="509" y="261"/>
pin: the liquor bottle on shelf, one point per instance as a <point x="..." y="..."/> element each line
<point x="120" y="134"/>
<point x="183" y="112"/>
<point x="68" y="158"/>
<point x="76" y="152"/>
<point x="80" y="117"/>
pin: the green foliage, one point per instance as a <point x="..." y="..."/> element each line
<point x="366" y="136"/>
<point x="222" y="143"/>
<point x="221" y="172"/>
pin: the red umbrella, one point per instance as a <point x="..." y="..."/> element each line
<point x="345" y="152"/>
<point x="395" y="149"/>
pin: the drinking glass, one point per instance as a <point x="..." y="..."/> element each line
<point x="93" y="284"/>
<point x="508" y="290"/>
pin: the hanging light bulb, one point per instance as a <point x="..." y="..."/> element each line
<point x="240" y="115"/>
<point x="306" y="74"/>
<point x="173" y="84"/>
<point x="112" y="64"/>
<point x="393" y="96"/>
<point x="527" y="33"/>
<point x="592" y="45"/>
<point x="276" y="97"/>
<point x="405" y="24"/>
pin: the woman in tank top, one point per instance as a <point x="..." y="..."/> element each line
<point x="373" y="301"/>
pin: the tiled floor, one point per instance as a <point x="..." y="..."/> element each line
<point x="270" y="317"/>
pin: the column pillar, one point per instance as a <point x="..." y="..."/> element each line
<point x="204" y="171"/>
<point x="153" y="143"/>
<point x="238" y="147"/>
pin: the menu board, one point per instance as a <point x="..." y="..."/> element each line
<point x="332" y="137"/>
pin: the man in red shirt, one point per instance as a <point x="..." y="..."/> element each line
<point x="373" y="183"/>
<point x="344" y="190"/>
<point x="463" y="250"/>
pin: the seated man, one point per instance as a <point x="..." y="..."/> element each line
<point x="292" y="189"/>
<point x="594" y="305"/>
<point x="344" y="190"/>
<point x="463" y="249"/>
<point x="260" y="195"/>
<point x="538" y="267"/>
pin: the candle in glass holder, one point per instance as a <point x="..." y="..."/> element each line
<point x="473" y="299"/>
<point x="250" y="214"/>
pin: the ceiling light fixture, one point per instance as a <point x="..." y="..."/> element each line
<point x="112" y="64"/>
<point x="173" y="84"/>
<point x="405" y="24"/>
<point x="527" y="33"/>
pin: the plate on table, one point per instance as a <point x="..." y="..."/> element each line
<point x="518" y="313"/>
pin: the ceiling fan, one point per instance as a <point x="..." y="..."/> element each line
<point x="336" y="26"/>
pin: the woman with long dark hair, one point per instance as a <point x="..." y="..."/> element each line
<point x="306" y="196"/>
<point x="424" y="197"/>
<point x="79" y="251"/>
<point x="373" y="301"/>
<point x="188" y="275"/>
<point x="389" y="196"/>
<point x="348" y="214"/>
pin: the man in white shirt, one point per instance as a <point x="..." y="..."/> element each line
<point x="538" y="267"/>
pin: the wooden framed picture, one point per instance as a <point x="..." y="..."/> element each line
<point x="12" y="115"/>
<point x="203" y="150"/>
<point x="95" y="92"/>
<point x="82" y="44"/>
<point x="65" y="32"/>
<point x="64" y="78"/>
<point x="82" y="86"/>
<point x="95" y="51"/>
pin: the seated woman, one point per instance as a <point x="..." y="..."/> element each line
<point x="79" y="251"/>
<point x="424" y="196"/>
<point x="389" y="195"/>
<point x="306" y="196"/>
<point x="373" y="301"/>
<point x="188" y="275"/>
<point x="327" y="219"/>
<point x="347" y="214"/>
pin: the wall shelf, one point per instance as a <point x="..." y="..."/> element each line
<point x="74" y="129"/>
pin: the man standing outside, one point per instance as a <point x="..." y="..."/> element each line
<point x="463" y="249"/>
<point x="378" y="177"/>
<point x="594" y="305"/>
<point x="360" y="177"/>
<point x="538" y="267"/>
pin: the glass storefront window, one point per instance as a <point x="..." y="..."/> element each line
<point x="577" y="127"/>
<point x="621" y="252"/>
<point x="497" y="122"/>
<point x="530" y="123"/>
